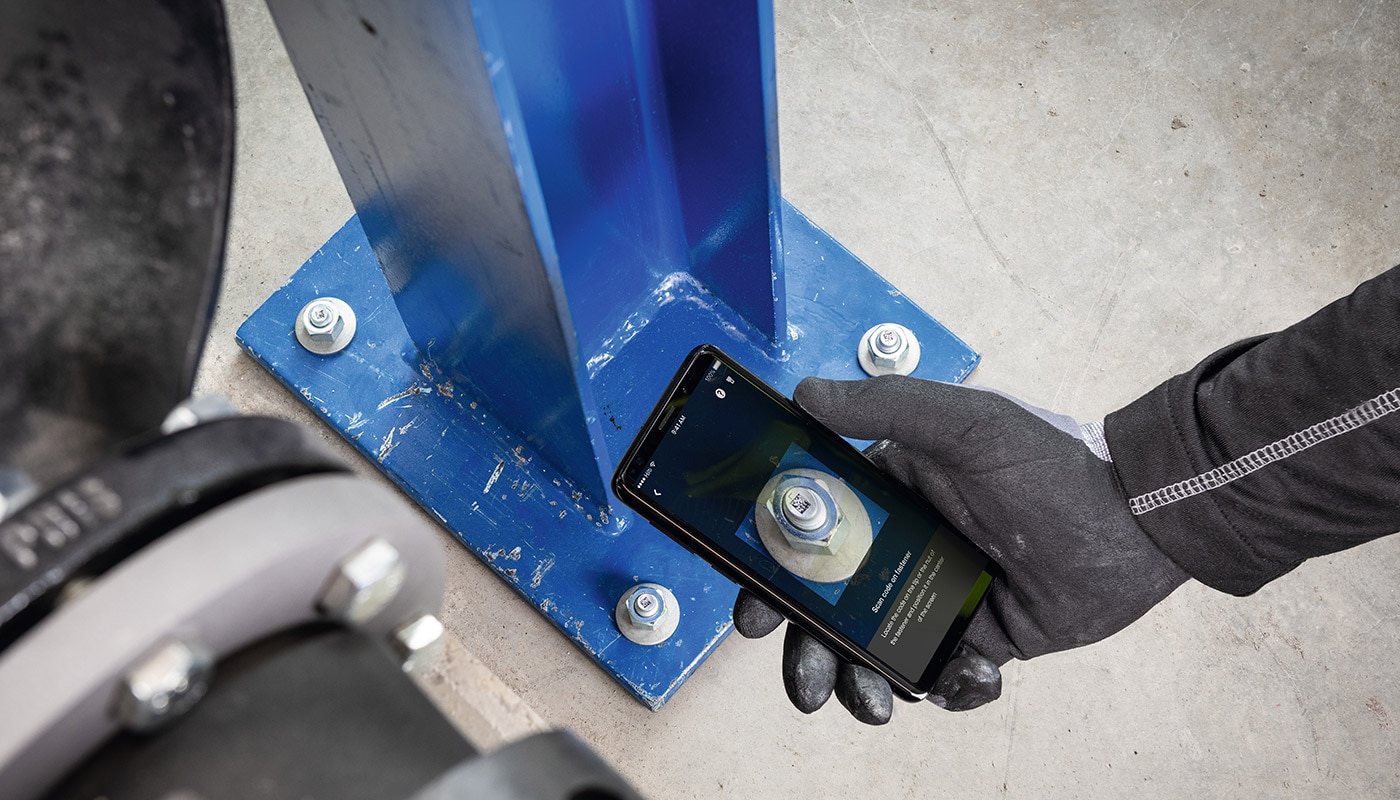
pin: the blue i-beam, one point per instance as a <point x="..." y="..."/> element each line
<point x="557" y="200"/>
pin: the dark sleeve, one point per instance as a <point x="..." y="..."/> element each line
<point x="1274" y="449"/>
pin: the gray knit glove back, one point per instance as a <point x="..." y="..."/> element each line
<point x="1033" y="490"/>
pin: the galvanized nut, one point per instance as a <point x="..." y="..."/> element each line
<point x="889" y="349"/>
<point x="363" y="584"/>
<point x="647" y="614"/>
<point x="807" y="514"/>
<point x="646" y="606"/>
<point x="418" y="642"/>
<point x="888" y="346"/>
<point x="162" y="686"/>
<point x="325" y="325"/>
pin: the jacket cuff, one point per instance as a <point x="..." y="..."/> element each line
<point x="1151" y="452"/>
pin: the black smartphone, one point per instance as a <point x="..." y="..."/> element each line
<point x="740" y="475"/>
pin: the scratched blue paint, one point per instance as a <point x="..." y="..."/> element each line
<point x="506" y="503"/>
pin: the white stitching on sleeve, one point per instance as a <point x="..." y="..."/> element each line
<point x="1350" y="420"/>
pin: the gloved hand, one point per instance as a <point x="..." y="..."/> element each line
<point x="1034" y="490"/>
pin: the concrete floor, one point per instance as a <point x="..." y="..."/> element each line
<point x="1094" y="195"/>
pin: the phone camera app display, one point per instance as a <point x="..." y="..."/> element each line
<point x="808" y="521"/>
<point x="802" y="512"/>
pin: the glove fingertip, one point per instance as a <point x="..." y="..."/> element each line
<point x="970" y="681"/>
<point x="809" y="671"/>
<point x="865" y="695"/>
<point x="753" y="618"/>
<point x="815" y="395"/>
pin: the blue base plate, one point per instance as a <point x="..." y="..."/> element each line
<point x="511" y="508"/>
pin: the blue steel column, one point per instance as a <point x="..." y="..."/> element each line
<point x="404" y="98"/>
<point x="530" y="172"/>
<point x="718" y="72"/>
<point x="557" y="200"/>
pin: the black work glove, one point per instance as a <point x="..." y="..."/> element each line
<point x="1032" y="489"/>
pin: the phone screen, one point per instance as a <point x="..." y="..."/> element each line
<point x="805" y="512"/>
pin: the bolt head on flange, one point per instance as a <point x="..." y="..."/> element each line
<point x="418" y="642"/>
<point x="648" y="614"/>
<point x="325" y="325"/>
<point x="364" y="583"/>
<point x="889" y="349"/>
<point x="163" y="685"/>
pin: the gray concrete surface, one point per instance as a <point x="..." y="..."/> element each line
<point x="1093" y="194"/>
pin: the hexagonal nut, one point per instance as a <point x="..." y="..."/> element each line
<point x="164" y="684"/>
<point x="888" y="346"/>
<point x="363" y="584"/>
<point x="888" y="349"/>
<point x="826" y="544"/>
<point x="653" y="629"/>
<point x="419" y="642"/>
<point x="325" y="325"/>
<point x="646" y="607"/>
<point x="323" y="322"/>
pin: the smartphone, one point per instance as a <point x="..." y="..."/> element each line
<point x="740" y="475"/>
